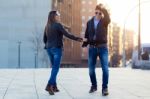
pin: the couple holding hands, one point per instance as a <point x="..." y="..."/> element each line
<point x="95" y="37"/>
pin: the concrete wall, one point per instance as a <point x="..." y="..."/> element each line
<point x="19" y="20"/>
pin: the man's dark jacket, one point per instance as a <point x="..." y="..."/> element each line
<point x="100" y="32"/>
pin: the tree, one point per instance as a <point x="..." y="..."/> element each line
<point x="38" y="48"/>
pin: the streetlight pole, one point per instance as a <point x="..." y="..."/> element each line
<point x="139" y="31"/>
<point x="124" y="52"/>
<point x="35" y="60"/>
<point x="19" y="48"/>
<point x="139" y="36"/>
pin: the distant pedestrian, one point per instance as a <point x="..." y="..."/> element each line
<point x="53" y="39"/>
<point x="96" y="37"/>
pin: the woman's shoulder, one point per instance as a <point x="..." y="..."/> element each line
<point x="90" y="21"/>
<point x="57" y="24"/>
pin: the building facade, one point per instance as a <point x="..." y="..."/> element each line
<point x="115" y="38"/>
<point x="71" y="19"/>
<point x="21" y="22"/>
<point x="87" y="12"/>
<point x="129" y="44"/>
<point x="114" y="43"/>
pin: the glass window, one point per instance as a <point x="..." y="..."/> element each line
<point x="83" y="25"/>
<point x="90" y="10"/>
<point x="83" y="10"/>
<point x="90" y="2"/>
<point x="90" y="17"/>
<point x="83" y="17"/>
<point x="83" y="1"/>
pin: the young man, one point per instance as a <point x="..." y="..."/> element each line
<point x="96" y="37"/>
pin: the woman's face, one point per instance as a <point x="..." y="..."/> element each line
<point x="57" y="18"/>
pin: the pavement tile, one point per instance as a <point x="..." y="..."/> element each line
<point x="74" y="83"/>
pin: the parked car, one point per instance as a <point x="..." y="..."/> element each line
<point x="144" y="62"/>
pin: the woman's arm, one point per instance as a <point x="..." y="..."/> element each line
<point x="45" y="37"/>
<point x="70" y="36"/>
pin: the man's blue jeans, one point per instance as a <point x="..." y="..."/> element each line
<point x="55" y="55"/>
<point x="102" y="52"/>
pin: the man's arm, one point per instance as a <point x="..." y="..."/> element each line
<point x="85" y="43"/>
<point x="86" y="32"/>
<point x="106" y="18"/>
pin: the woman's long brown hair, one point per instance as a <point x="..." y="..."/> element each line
<point x="51" y="19"/>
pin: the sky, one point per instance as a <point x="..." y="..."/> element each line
<point x="125" y="12"/>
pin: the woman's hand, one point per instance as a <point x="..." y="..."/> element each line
<point x="80" y="40"/>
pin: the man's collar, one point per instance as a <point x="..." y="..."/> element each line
<point x="96" y="19"/>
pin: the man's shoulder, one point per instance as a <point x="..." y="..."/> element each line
<point x="90" y="20"/>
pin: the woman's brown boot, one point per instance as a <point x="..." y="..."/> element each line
<point x="49" y="88"/>
<point x="55" y="89"/>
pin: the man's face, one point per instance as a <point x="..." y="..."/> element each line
<point x="98" y="14"/>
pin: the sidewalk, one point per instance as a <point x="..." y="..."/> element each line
<point x="125" y="83"/>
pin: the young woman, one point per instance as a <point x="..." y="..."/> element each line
<point x="53" y="39"/>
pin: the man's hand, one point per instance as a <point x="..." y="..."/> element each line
<point x="101" y="5"/>
<point x="84" y="39"/>
<point x="85" y="42"/>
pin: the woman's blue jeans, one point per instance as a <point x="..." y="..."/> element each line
<point x="55" y="55"/>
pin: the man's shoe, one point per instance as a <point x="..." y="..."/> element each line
<point x="105" y="92"/>
<point x="93" y="89"/>
<point x="55" y="89"/>
<point x="50" y="90"/>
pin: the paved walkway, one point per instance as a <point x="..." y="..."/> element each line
<point x="125" y="83"/>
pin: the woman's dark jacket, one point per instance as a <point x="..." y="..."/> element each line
<point x="54" y="35"/>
